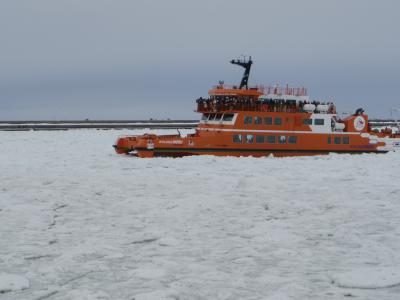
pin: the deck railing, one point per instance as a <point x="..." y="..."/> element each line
<point x="275" y="90"/>
<point x="208" y="106"/>
<point x="246" y="106"/>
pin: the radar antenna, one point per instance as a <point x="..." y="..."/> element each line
<point x="246" y="64"/>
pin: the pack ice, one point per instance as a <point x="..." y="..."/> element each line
<point x="78" y="221"/>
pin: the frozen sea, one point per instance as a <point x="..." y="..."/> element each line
<point x="78" y="221"/>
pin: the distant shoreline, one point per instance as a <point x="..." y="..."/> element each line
<point x="96" y="124"/>
<point x="121" y="124"/>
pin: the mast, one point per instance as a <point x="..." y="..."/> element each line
<point x="246" y="64"/>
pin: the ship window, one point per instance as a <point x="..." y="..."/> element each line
<point x="257" y="120"/>
<point x="278" y="121"/>
<point x="227" y="117"/>
<point x="237" y="138"/>
<point x="271" y="139"/>
<point x="307" y="121"/>
<point x="268" y="121"/>
<point x="345" y="140"/>
<point x="282" y="139"/>
<point x="329" y="140"/>
<point x="260" y="139"/>
<point x="292" y="139"/>
<point x="218" y="117"/>
<point x="319" y="121"/>
<point x="211" y="117"/>
<point x="336" y="140"/>
<point x="249" y="138"/>
<point x="204" y="117"/>
<point x="248" y="120"/>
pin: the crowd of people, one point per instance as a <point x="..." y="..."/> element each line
<point x="224" y="103"/>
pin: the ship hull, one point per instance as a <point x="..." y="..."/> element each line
<point x="145" y="152"/>
<point x="290" y="137"/>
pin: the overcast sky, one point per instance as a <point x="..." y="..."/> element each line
<point x="140" y="59"/>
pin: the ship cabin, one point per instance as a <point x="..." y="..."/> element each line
<point x="275" y="107"/>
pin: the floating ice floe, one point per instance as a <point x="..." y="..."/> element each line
<point x="195" y="228"/>
<point x="368" y="278"/>
<point x="148" y="272"/>
<point x="168" y="241"/>
<point x="156" y="295"/>
<point x="10" y="282"/>
<point x="85" y="294"/>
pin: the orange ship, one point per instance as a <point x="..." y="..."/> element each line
<point x="260" y="121"/>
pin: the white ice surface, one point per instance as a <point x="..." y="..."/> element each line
<point x="80" y="222"/>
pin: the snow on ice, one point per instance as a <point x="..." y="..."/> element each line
<point x="80" y="222"/>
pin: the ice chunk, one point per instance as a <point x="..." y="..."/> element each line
<point x="168" y="241"/>
<point x="85" y="294"/>
<point x="10" y="282"/>
<point x="156" y="295"/>
<point x="368" y="278"/>
<point x="148" y="272"/>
